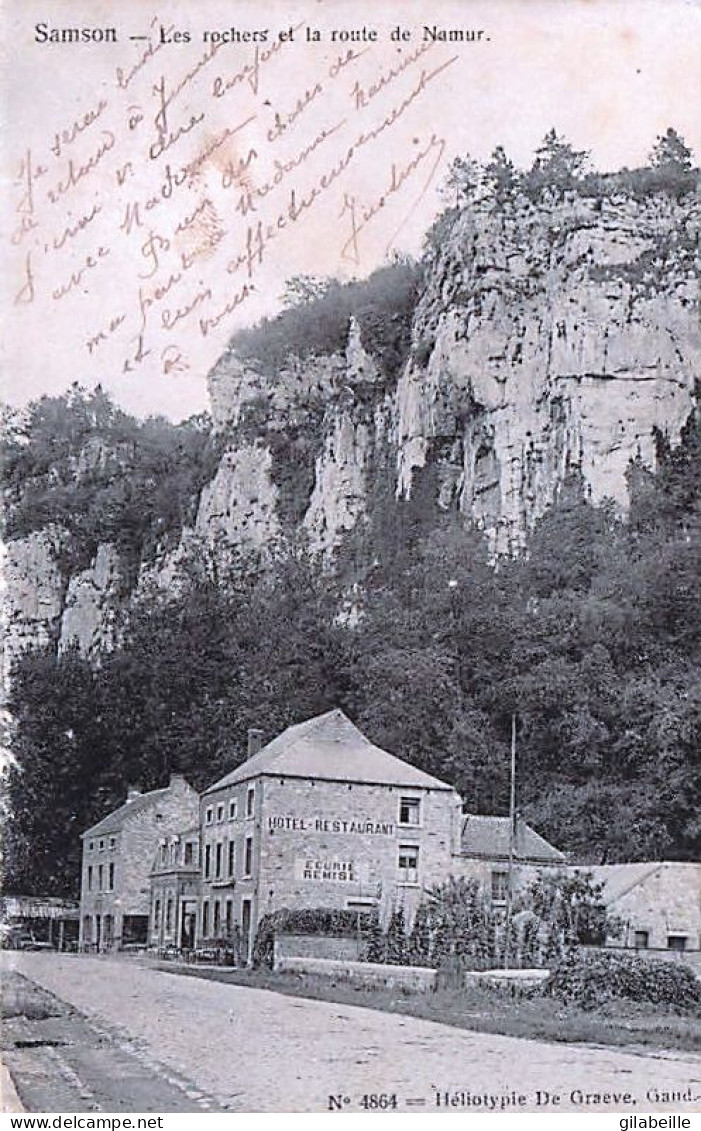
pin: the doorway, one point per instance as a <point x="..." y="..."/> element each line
<point x="246" y="928"/>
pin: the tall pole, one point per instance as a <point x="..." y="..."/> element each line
<point x="512" y="846"/>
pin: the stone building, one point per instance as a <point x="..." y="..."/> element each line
<point x="484" y="853"/>
<point x="658" y="906"/>
<point x="175" y="890"/>
<point x="118" y="854"/>
<point x="320" y="817"/>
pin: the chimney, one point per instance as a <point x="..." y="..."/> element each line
<point x="255" y="741"/>
<point x="176" y="781"/>
<point x="133" y="792"/>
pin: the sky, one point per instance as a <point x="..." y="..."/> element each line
<point x="92" y="297"/>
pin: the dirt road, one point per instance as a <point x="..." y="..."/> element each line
<point x="252" y="1050"/>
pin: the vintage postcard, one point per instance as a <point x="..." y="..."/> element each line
<point x="352" y="558"/>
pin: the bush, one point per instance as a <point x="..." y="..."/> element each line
<point x="591" y="980"/>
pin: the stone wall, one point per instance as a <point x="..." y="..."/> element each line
<point x="317" y="946"/>
<point x="411" y="979"/>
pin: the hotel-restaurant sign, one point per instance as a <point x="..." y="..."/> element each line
<point x="330" y="825"/>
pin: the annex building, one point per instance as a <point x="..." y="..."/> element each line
<point x="657" y="905"/>
<point x="118" y="853"/>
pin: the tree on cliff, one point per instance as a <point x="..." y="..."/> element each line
<point x="671" y="152"/>
<point x="557" y="166"/>
<point x="461" y="181"/>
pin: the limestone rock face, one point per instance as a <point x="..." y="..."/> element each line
<point x="94" y="604"/>
<point x="34" y="590"/>
<point x="354" y="430"/>
<point x="238" y="506"/>
<point x="548" y="340"/>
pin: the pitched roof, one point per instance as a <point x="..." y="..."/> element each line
<point x="618" y="879"/>
<point x="489" y="837"/>
<point x="113" y="822"/>
<point x="329" y="747"/>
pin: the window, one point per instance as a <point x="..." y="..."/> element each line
<point x="220" y="812"/>
<point x="248" y="857"/>
<point x="676" y="942"/>
<point x="156" y="914"/>
<point x="91" y="845"/>
<point x="164" y="853"/>
<point x="110" y="878"/>
<point x="409" y="810"/>
<point x="189" y="856"/>
<point x="169" y="915"/>
<point x="408" y="863"/>
<point x="209" y="816"/>
<point x="217" y="918"/>
<point x="113" y="841"/>
<point x="89" y="877"/>
<point x="207" y="860"/>
<point x="218" y="861"/>
<point x="229" y="916"/>
<point x="500" y="887"/>
<point x="232" y="809"/>
<point x="102" y="846"/>
<point x="232" y="857"/>
<point x="100" y="877"/>
<point x="250" y="800"/>
<point x="641" y="940"/>
<point x="205" y="919"/>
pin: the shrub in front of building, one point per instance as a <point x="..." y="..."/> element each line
<point x="591" y="980"/>
<point x="455" y="924"/>
<point x="558" y="913"/>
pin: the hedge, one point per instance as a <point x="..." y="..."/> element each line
<point x="590" y="980"/>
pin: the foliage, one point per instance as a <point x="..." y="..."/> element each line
<point x="461" y="181"/>
<point x="375" y="942"/>
<point x="383" y="305"/>
<point x="301" y="289"/>
<point x="557" y="167"/>
<point x="454" y="922"/>
<point x="79" y="462"/>
<point x="192" y="675"/>
<point x="501" y="176"/>
<point x="559" y="912"/>
<point x="396" y="938"/>
<point x="592" y="979"/>
<point x="304" y="921"/>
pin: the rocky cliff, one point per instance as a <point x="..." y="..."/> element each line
<point x="548" y="337"/>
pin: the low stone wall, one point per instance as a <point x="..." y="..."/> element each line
<point x="523" y="979"/>
<point x="413" y="979"/>
<point x="317" y="946"/>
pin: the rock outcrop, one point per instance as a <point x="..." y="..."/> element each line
<point x="550" y="339"/>
<point x="94" y="605"/>
<point x="34" y="592"/>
